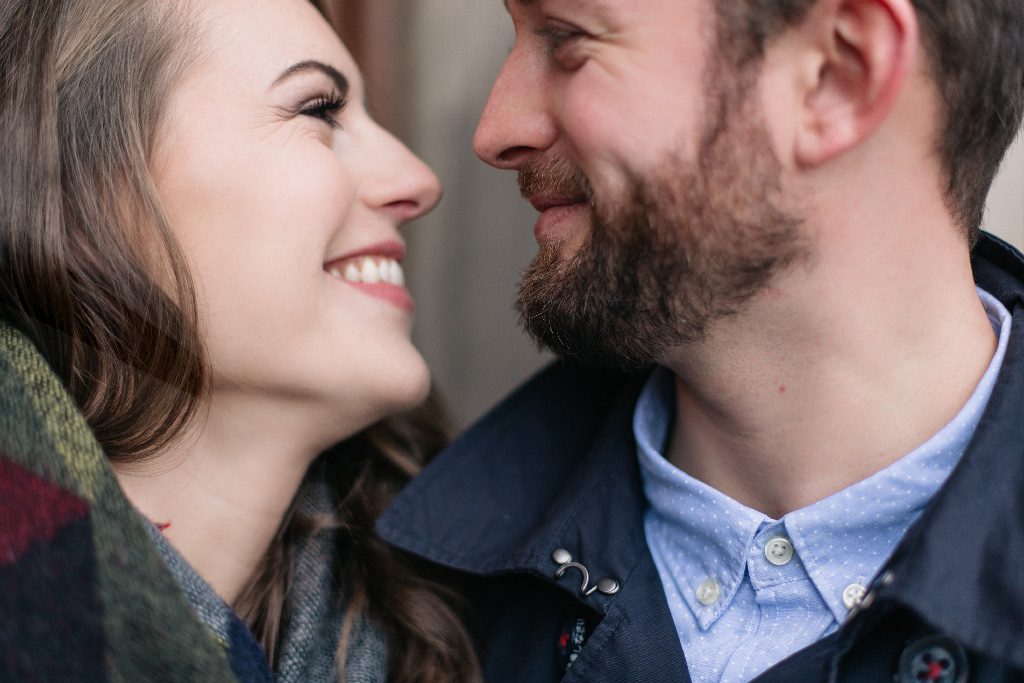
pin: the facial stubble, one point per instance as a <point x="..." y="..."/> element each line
<point x="682" y="246"/>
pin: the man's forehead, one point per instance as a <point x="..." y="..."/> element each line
<point x="600" y="6"/>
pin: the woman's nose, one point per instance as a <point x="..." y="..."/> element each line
<point x="404" y="187"/>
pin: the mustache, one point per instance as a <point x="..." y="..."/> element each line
<point x="547" y="176"/>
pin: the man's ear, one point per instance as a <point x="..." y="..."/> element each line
<point x="859" y="55"/>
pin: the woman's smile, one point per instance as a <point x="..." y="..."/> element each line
<point x="375" y="270"/>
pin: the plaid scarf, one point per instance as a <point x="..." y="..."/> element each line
<point x="89" y="593"/>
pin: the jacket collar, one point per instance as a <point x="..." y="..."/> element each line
<point x="960" y="566"/>
<point x="544" y="471"/>
<point x="554" y="466"/>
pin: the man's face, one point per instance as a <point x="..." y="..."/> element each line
<point x="650" y="162"/>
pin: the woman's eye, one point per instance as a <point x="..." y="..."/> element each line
<point x="325" y="108"/>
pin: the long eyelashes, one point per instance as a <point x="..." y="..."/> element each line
<point x="326" y="108"/>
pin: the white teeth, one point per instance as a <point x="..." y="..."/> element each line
<point x="371" y="270"/>
<point x="371" y="273"/>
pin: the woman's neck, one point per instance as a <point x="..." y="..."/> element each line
<point x="220" y="493"/>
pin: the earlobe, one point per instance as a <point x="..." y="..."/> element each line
<point x="863" y="51"/>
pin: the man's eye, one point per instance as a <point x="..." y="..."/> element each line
<point x="561" y="43"/>
<point x="325" y="108"/>
<point x="557" y="37"/>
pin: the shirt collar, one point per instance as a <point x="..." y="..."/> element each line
<point x="872" y="515"/>
<point x="959" y="567"/>
<point x="709" y="529"/>
<point x="714" y="532"/>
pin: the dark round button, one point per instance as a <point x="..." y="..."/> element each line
<point x="934" y="659"/>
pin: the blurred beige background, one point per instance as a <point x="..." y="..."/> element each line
<point x="429" y="65"/>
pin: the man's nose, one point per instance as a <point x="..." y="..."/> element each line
<point x="516" y="122"/>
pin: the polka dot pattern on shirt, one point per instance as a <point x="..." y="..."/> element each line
<point x="738" y="608"/>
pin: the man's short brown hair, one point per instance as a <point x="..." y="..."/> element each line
<point x="975" y="50"/>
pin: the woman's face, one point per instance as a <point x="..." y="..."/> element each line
<point x="286" y="199"/>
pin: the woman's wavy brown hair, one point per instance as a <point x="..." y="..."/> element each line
<point x="91" y="272"/>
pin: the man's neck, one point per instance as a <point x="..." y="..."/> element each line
<point x="820" y="384"/>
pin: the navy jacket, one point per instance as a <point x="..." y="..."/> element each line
<point x="554" y="467"/>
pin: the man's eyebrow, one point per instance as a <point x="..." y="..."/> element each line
<point x="311" y="65"/>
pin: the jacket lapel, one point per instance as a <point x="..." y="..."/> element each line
<point x="553" y="468"/>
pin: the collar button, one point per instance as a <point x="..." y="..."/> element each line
<point x="779" y="551"/>
<point x="708" y="592"/>
<point x="853" y="595"/>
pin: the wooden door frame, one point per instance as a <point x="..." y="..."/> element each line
<point x="370" y="31"/>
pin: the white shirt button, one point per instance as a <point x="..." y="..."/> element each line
<point x="708" y="592"/>
<point x="779" y="551"/>
<point x="853" y="594"/>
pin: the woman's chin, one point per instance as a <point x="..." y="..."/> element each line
<point x="399" y="391"/>
<point x="413" y="390"/>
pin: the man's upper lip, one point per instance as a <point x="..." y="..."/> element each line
<point x="544" y="202"/>
<point x="392" y="249"/>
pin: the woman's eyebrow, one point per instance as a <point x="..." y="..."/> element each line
<point x="315" y="66"/>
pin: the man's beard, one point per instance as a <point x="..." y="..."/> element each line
<point x="678" y="249"/>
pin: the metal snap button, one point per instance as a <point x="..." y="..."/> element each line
<point x="561" y="556"/>
<point x="708" y="592"/>
<point x="934" y="659"/>
<point x="606" y="586"/>
<point x="779" y="551"/>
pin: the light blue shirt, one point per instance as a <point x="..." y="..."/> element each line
<point x="746" y="591"/>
